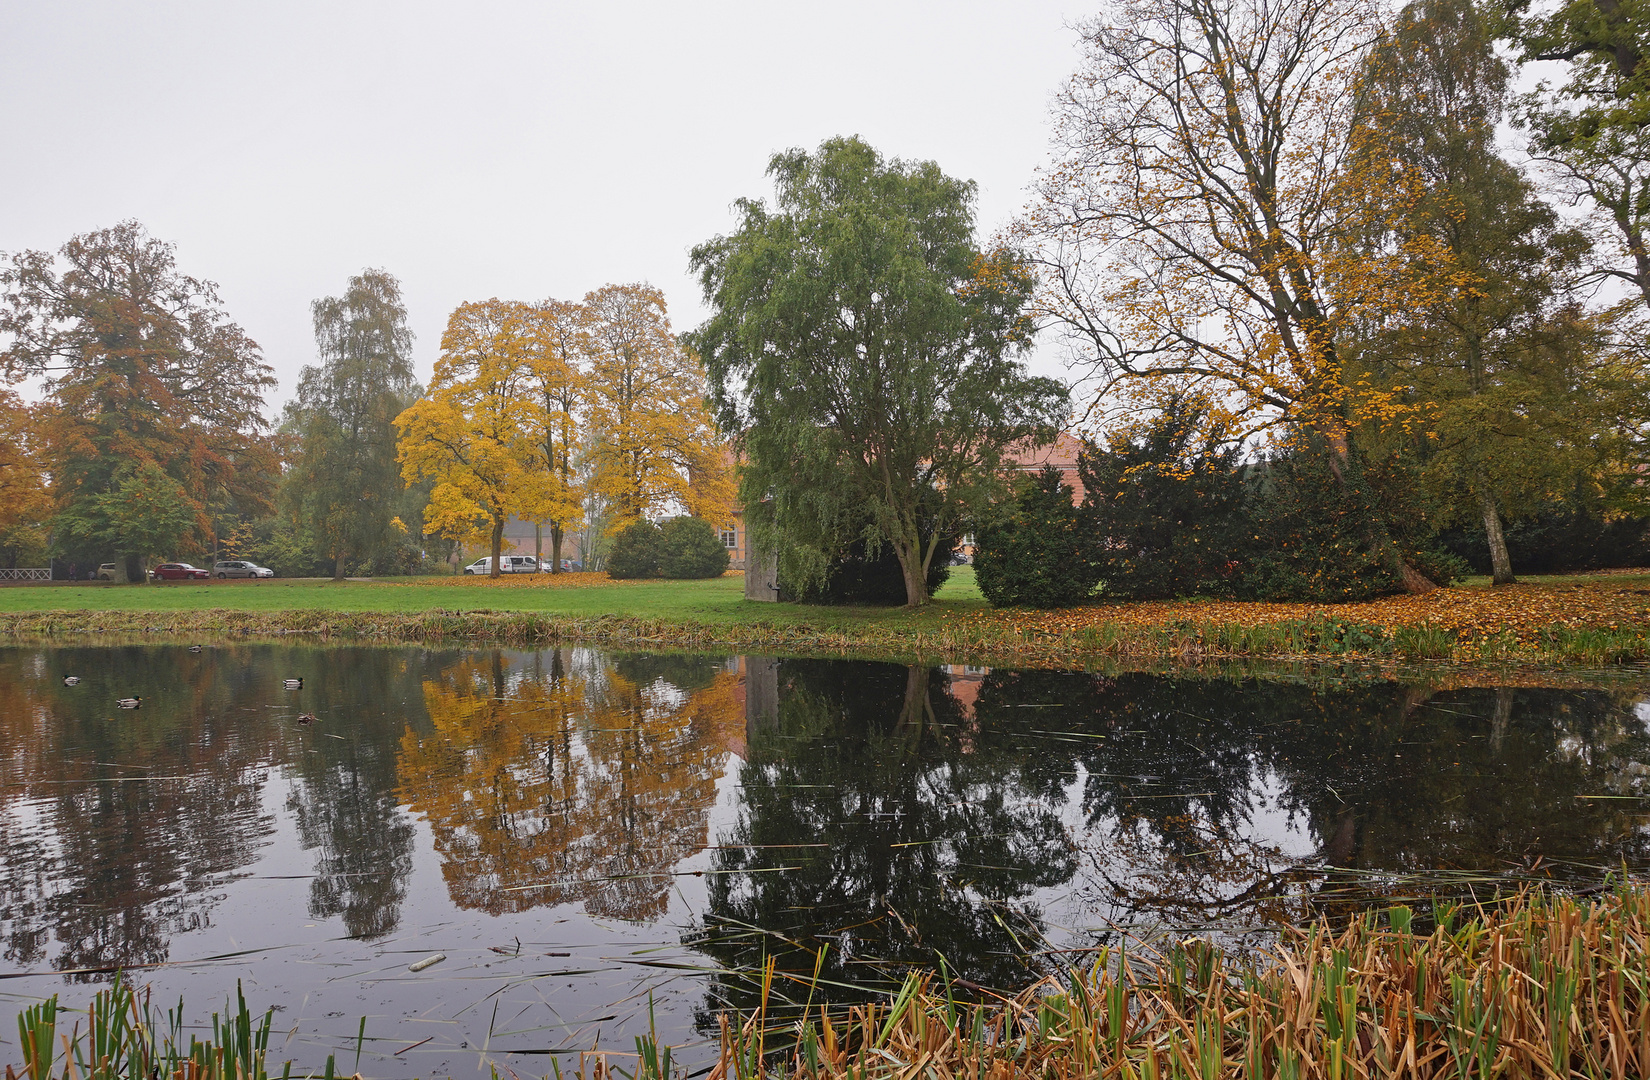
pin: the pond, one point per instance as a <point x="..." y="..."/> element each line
<point x="587" y="836"/>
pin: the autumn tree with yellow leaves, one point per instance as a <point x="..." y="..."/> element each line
<point x="654" y="442"/>
<point x="555" y="339"/>
<point x="534" y="405"/>
<point x="1192" y="234"/>
<point x="468" y="432"/>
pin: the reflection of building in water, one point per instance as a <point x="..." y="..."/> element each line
<point x="580" y="781"/>
<point x="963" y="684"/>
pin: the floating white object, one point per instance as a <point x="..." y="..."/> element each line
<point x="428" y="961"/>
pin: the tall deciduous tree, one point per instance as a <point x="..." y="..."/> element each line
<point x="864" y="347"/>
<point x="556" y="338"/>
<point x="1493" y="340"/>
<point x="1605" y="42"/>
<point x="468" y="432"/>
<point x="1611" y="173"/>
<point x="142" y="366"/>
<point x="1190" y="230"/>
<point x="345" y="481"/>
<point x="653" y="440"/>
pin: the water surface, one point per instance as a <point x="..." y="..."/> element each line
<point x="583" y="832"/>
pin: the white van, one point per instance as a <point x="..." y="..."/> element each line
<point x="509" y="564"/>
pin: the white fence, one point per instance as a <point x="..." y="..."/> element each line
<point x="26" y="574"/>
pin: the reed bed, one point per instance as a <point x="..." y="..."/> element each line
<point x="1543" y="986"/>
<point x="125" y="1038"/>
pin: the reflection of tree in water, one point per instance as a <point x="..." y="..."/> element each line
<point x="343" y="797"/>
<point x="569" y="780"/>
<point x="925" y="834"/>
<point x="115" y="866"/>
<point x="1384" y="778"/>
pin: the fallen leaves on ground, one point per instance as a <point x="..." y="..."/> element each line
<point x="1469" y="613"/>
<point x="585" y="579"/>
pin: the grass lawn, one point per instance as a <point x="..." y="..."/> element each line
<point x="718" y="600"/>
<point x="1592" y="619"/>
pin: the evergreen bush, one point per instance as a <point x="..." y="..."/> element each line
<point x="1312" y="535"/>
<point x="637" y="552"/>
<point x="691" y="549"/>
<point x="1575" y="532"/>
<point x="1164" y="508"/>
<point x="1035" y="551"/>
<point x="863" y="575"/>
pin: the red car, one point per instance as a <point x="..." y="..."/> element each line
<point x="178" y="571"/>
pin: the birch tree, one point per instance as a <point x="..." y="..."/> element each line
<point x="345" y="481"/>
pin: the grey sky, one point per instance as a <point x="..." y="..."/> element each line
<point x="517" y="150"/>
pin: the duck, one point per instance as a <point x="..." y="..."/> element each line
<point x="306" y="718"/>
<point x="194" y="648"/>
<point x="129" y="703"/>
<point x="293" y="684"/>
<point x="70" y="680"/>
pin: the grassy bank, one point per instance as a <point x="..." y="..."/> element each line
<point x="1547" y="987"/>
<point x="1593" y="620"/>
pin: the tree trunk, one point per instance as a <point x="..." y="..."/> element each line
<point x="498" y="543"/>
<point x="910" y="565"/>
<point x="538" y="547"/>
<point x="1500" y="560"/>
<point x="338" y="565"/>
<point x="917" y="711"/>
<point x="1501" y="719"/>
<point x="1340" y="463"/>
<point x="134" y="570"/>
<point x="555" y="548"/>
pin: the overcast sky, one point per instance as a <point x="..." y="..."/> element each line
<point x="518" y="150"/>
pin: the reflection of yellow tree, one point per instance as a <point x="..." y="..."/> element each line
<point x="566" y="785"/>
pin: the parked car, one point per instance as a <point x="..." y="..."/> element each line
<point x="109" y="571"/>
<point x="510" y="564"/>
<point x="228" y="568"/>
<point x="178" y="571"/>
<point x="571" y="565"/>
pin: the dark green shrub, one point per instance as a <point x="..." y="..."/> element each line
<point x="1164" y="507"/>
<point x="637" y="552"/>
<point x="691" y="549"/>
<point x="859" y="577"/>
<point x="1034" y="552"/>
<point x="1316" y="536"/>
<point x="1574" y="532"/>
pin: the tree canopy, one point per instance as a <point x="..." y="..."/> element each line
<point x="344" y="482"/>
<point x="143" y="367"/>
<point x="865" y="351"/>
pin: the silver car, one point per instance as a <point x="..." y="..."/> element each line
<point x="228" y="568"/>
<point x="509" y="564"/>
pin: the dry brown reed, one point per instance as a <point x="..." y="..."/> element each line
<point x="1543" y="986"/>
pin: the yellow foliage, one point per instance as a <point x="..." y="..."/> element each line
<point x="468" y="431"/>
<point x="658" y="443"/>
<point x="568" y="784"/>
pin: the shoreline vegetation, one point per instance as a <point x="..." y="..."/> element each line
<point x="1538" y="984"/>
<point x="1593" y="620"/>
<point x="1544" y="985"/>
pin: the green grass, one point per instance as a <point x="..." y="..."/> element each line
<point x="718" y="601"/>
<point x="958" y="627"/>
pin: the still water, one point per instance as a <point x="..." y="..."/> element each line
<point x="584" y="833"/>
